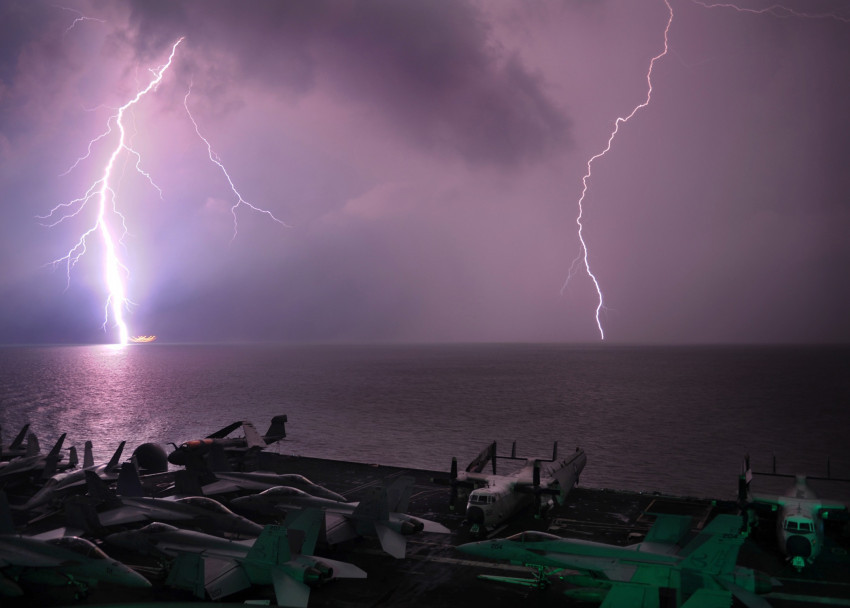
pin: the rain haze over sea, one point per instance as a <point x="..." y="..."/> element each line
<point x="676" y="419"/>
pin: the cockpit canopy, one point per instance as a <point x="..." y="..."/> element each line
<point x="799" y="525"/>
<point x="532" y="536"/>
<point x="158" y="527"/>
<point x="283" y="492"/>
<point x="205" y="503"/>
<point x="79" y="545"/>
<point x="481" y="498"/>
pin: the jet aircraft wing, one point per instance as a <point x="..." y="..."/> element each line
<point x="253" y="439"/>
<point x="338" y="528"/>
<point x="220" y="434"/>
<point x="223" y="577"/>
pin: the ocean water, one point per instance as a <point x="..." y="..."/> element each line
<point x="669" y="419"/>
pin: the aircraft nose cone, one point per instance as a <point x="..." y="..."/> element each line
<point x="798" y="546"/>
<point x="330" y="495"/>
<point x="177" y="457"/>
<point x="128" y="577"/>
<point x="475" y="515"/>
<point x="247" y="528"/>
<point x="476" y="549"/>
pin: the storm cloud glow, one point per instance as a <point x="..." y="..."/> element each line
<point x="426" y="160"/>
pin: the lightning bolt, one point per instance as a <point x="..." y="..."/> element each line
<point x="214" y="157"/>
<point x="583" y="255"/>
<point x="80" y="17"/>
<point x="776" y="10"/>
<point x="109" y="221"/>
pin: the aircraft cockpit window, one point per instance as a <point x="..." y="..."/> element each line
<point x="533" y="537"/>
<point x="791" y="525"/>
<point x="157" y="527"/>
<point x="805" y="526"/>
<point x="79" y="545"/>
<point x="283" y="491"/>
<point x="480" y="499"/>
<point x="205" y="503"/>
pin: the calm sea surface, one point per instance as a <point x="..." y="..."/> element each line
<point x="673" y="419"/>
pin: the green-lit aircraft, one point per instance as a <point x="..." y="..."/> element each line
<point x="64" y="561"/>
<point x="656" y="572"/>
<point x="800" y="517"/>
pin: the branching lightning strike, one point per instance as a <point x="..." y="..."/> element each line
<point x="776" y="10"/>
<point x="109" y="221"/>
<point x="214" y="157"/>
<point x="102" y="190"/>
<point x="583" y="255"/>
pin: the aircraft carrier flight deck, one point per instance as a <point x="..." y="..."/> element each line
<point x="435" y="573"/>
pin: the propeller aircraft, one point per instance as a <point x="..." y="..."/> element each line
<point x="493" y="498"/>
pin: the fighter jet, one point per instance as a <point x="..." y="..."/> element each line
<point x="280" y="556"/>
<point x="206" y="482"/>
<point x="61" y="484"/>
<point x="494" y="498"/>
<point x="193" y="453"/>
<point x="129" y="505"/>
<point x="63" y="561"/>
<point x="381" y="514"/>
<point x="800" y="517"/>
<point x="647" y="574"/>
<point x="35" y="464"/>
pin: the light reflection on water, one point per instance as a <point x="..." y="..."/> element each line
<point x="671" y="419"/>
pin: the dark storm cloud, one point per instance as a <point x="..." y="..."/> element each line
<point x="429" y="69"/>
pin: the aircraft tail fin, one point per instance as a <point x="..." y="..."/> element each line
<point x="18" y="441"/>
<point x="277" y="429"/>
<point x="88" y="456"/>
<point x="7" y="526"/>
<point x="33" y="448"/>
<point x="304" y="531"/>
<point x="97" y="488"/>
<point x="53" y="458"/>
<point x="188" y="483"/>
<point x="116" y="457"/>
<point x="479" y="463"/>
<point x="374" y="507"/>
<point x="568" y="472"/>
<point x="73" y="459"/>
<point x="398" y="494"/>
<point x="271" y="547"/>
<point x="129" y="483"/>
<point x="81" y="514"/>
<point x="252" y="436"/>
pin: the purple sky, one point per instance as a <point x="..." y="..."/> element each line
<point x="427" y="157"/>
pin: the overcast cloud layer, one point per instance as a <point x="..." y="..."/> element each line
<point x="427" y="159"/>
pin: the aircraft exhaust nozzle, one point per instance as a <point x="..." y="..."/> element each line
<point x="318" y="574"/>
<point x="409" y="527"/>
